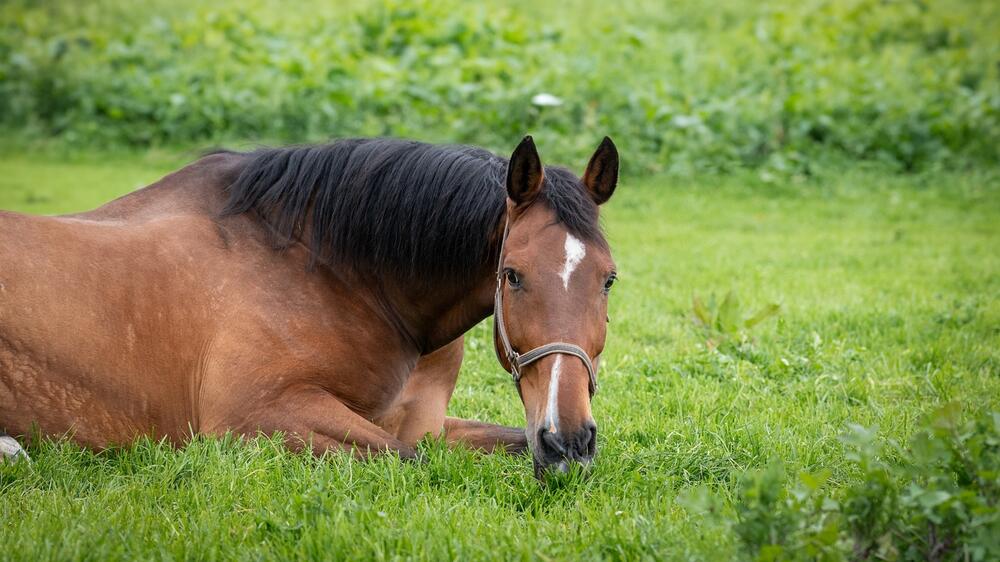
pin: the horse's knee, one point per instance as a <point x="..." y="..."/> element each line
<point x="10" y="449"/>
<point x="421" y="405"/>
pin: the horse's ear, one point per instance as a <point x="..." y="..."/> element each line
<point x="601" y="176"/>
<point x="524" y="173"/>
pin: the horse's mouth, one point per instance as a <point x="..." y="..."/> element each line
<point x="559" y="467"/>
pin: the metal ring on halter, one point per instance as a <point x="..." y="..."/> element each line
<point x="516" y="360"/>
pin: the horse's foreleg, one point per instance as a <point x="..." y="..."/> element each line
<point x="10" y="449"/>
<point x="318" y="420"/>
<point x="485" y="436"/>
<point x="420" y="408"/>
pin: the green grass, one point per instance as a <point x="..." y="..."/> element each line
<point x="888" y="288"/>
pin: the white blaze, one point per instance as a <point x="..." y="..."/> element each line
<point x="552" y="409"/>
<point x="575" y="250"/>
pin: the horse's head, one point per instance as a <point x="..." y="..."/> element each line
<point x="554" y="276"/>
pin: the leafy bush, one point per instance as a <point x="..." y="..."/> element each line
<point x="682" y="88"/>
<point x="937" y="499"/>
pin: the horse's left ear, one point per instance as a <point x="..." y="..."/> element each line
<point x="524" y="173"/>
<point x="601" y="176"/>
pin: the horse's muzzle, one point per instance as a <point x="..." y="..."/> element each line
<point x="556" y="451"/>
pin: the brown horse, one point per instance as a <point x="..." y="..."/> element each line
<point x="317" y="291"/>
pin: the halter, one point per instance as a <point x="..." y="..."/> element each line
<point x="519" y="361"/>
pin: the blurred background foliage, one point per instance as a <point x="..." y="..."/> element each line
<point x="683" y="87"/>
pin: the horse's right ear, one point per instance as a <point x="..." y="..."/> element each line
<point x="524" y="173"/>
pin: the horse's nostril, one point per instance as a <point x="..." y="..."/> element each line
<point x="587" y="445"/>
<point x="551" y="443"/>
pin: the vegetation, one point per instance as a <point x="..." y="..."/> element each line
<point x="804" y="355"/>
<point x="856" y="421"/>
<point x="790" y="87"/>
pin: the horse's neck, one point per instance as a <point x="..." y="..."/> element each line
<point x="434" y="316"/>
<point x="474" y="306"/>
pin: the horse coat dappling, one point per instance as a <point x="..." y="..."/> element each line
<point x="317" y="291"/>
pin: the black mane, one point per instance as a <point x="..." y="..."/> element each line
<point x="397" y="207"/>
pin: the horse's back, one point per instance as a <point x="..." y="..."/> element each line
<point x="89" y="303"/>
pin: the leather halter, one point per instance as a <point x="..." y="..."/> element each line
<point x="516" y="360"/>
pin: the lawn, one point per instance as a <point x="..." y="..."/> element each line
<point x="888" y="289"/>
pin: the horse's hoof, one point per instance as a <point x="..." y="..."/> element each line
<point x="415" y="456"/>
<point x="10" y="450"/>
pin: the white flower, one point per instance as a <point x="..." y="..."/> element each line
<point x="545" y="100"/>
<point x="685" y="121"/>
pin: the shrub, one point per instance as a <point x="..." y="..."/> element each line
<point x="682" y="88"/>
<point x="937" y="499"/>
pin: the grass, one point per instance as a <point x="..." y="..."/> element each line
<point x="888" y="288"/>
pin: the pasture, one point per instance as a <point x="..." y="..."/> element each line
<point x="887" y="287"/>
<point x="803" y="360"/>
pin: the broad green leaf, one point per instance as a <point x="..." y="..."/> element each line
<point x="815" y="480"/>
<point x="729" y="314"/>
<point x="934" y="498"/>
<point x="947" y="416"/>
<point x="762" y="314"/>
<point x="701" y="313"/>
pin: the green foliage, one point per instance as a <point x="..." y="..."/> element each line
<point x="763" y="522"/>
<point x="938" y="499"/>
<point x="775" y="523"/>
<point x="871" y="506"/>
<point x="726" y="321"/>
<point x="952" y="499"/>
<point x="682" y="87"/>
<point x="888" y="285"/>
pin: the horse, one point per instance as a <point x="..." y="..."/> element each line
<point x="320" y="292"/>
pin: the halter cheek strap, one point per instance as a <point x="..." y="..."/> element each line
<point x="516" y="360"/>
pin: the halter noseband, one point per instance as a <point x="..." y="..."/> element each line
<point x="519" y="361"/>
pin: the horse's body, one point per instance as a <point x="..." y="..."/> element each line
<point x="167" y="313"/>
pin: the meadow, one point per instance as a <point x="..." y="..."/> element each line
<point x="803" y="360"/>
<point x="837" y="425"/>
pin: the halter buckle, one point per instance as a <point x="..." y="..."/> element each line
<point x="514" y="358"/>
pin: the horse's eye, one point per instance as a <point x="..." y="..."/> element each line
<point x="512" y="279"/>
<point x="609" y="283"/>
